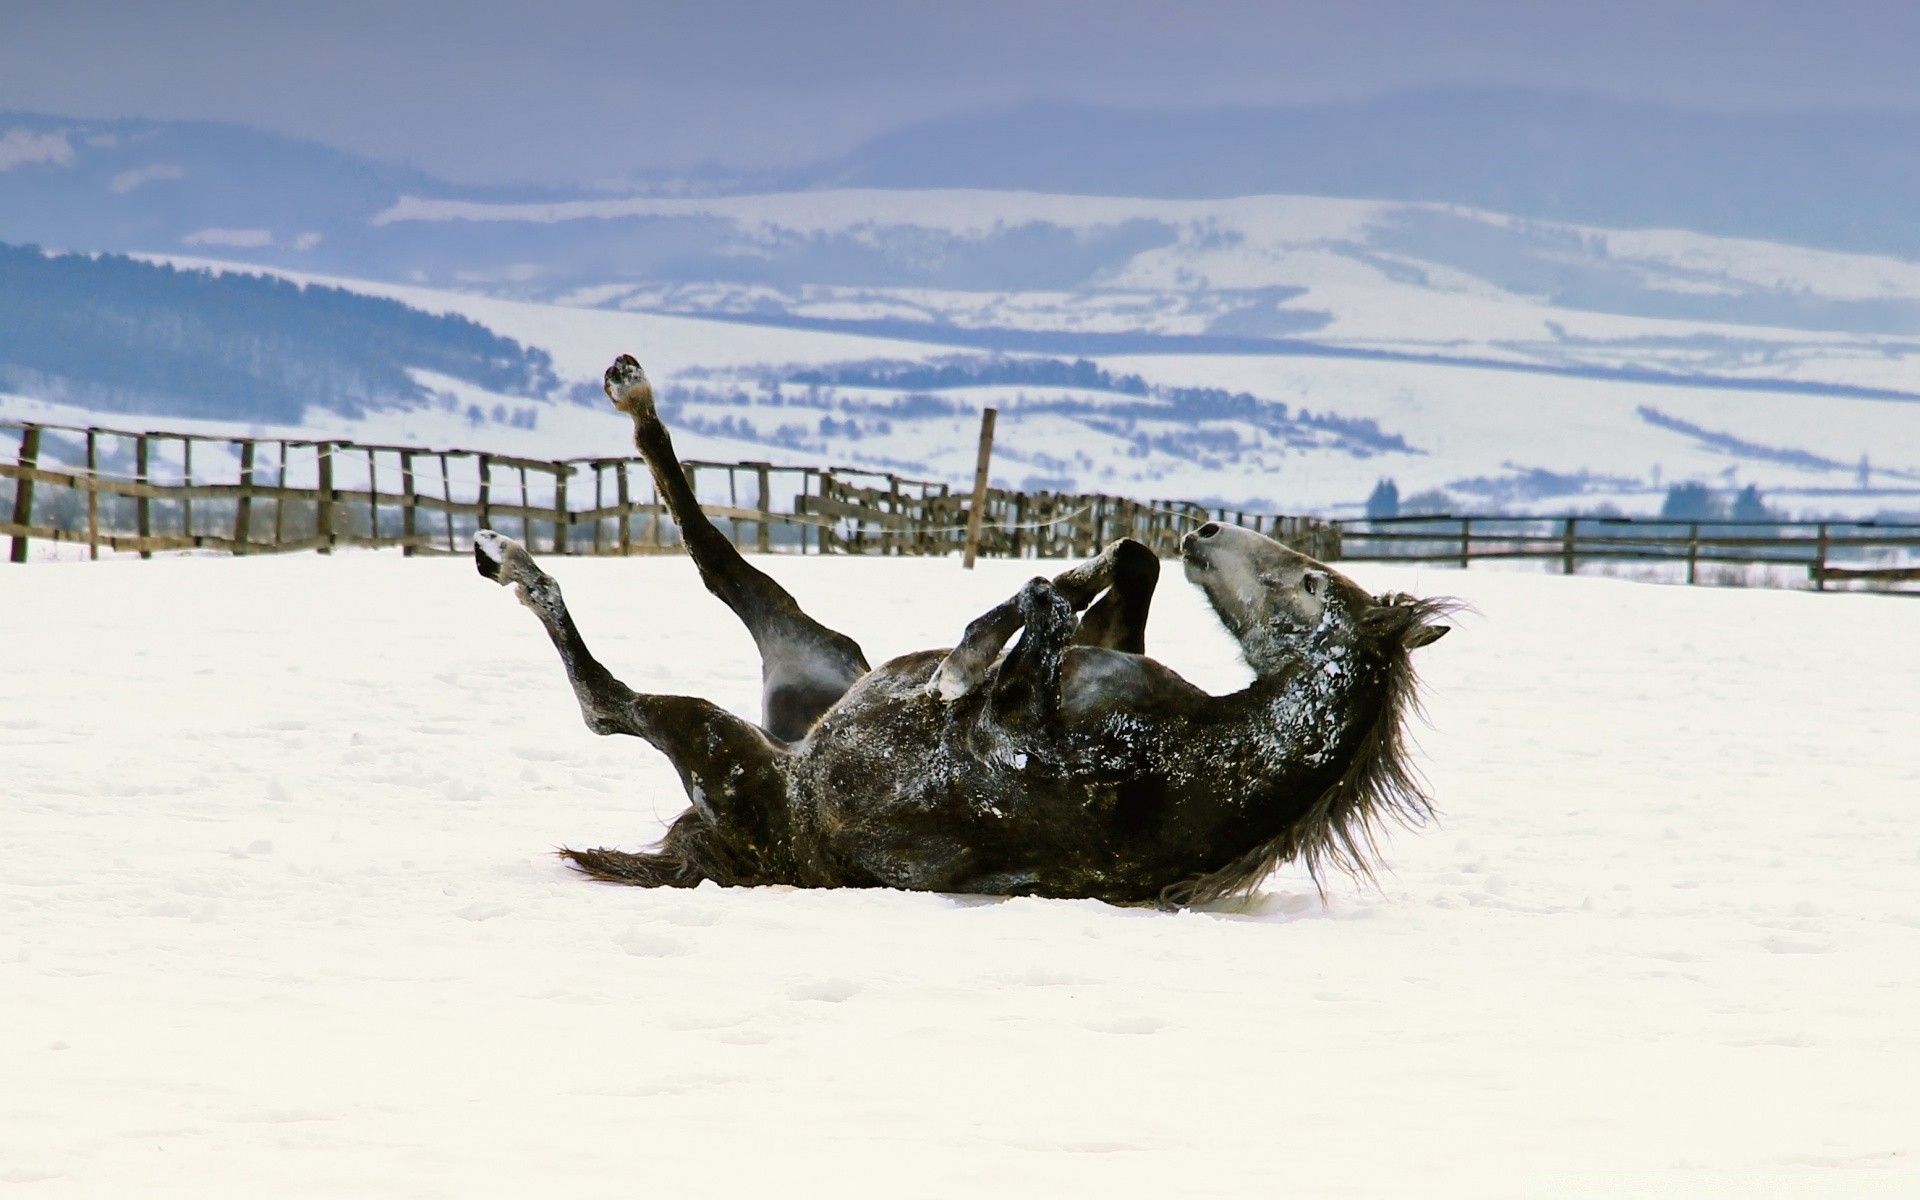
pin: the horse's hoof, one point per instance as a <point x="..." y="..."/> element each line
<point x="485" y="557"/>
<point x="955" y="677"/>
<point x="500" y="559"/>
<point x="626" y="385"/>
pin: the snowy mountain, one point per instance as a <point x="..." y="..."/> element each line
<point x="1278" y="351"/>
<point x="1841" y="180"/>
<point x="1838" y="180"/>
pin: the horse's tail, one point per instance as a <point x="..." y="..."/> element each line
<point x="639" y="870"/>
<point x="688" y="855"/>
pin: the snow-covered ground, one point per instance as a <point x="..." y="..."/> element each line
<point x="279" y="916"/>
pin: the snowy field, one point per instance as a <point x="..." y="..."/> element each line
<point x="280" y="917"/>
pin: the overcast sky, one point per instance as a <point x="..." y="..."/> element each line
<point x="591" y="91"/>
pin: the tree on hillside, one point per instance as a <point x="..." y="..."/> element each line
<point x="113" y="333"/>
<point x="1692" y="502"/>
<point x="1748" y="506"/>
<point x="1384" y="503"/>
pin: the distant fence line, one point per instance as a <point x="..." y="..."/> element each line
<point x="1832" y="552"/>
<point x="142" y="492"/>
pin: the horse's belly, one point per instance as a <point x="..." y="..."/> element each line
<point x="896" y="787"/>
<point x="925" y="809"/>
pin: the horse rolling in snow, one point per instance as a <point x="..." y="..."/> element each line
<point x="1069" y="765"/>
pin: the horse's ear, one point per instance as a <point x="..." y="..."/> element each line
<point x="1423" y="635"/>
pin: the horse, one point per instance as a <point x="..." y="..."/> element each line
<point x="1070" y="765"/>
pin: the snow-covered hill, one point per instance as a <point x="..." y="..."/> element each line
<point x="1362" y="275"/>
<point x="1299" y="432"/>
<point x="280" y="916"/>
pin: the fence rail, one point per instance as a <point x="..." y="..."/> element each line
<point x="1834" y="551"/>
<point x="147" y="492"/>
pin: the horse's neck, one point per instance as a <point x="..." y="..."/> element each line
<point x="1293" y="720"/>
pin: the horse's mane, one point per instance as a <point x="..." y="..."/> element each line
<point x="1341" y="829"/>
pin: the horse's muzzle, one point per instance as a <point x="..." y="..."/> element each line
<point x="1194" y="545"/>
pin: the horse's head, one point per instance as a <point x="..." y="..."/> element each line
<point x="1278" y="602"/>
<point x="1290" y="611"/>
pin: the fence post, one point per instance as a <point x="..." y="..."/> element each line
<point x="243" y="507"/>
<point x="408" y="522"/>
<point x="143" y="510"/>
<point x="1693" y="551"/>
<point x="560" y="508"/>
<point x="23" y="489"/>
<point x="1466" y="541"/>
<point x="446" y="493"/>
<point x="93" y="495"/>
<point x="486" y="492"/>
<point x="1820" y="567"/>
<point x="765" y="539"/>
<point x="1566" y="563"/>
<point x="974" y="513"/>
<point x="186" y="480"/>
<point x="526" y="508"/>
<point x="323" y="508"/>
<point x="599" y="502"/>
<point x="373" y="495"/>
<point x="626" y="510"/>
<point x="280" y="502"/>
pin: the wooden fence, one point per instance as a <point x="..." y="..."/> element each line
<point x="142" y="492"/>
<point x="1872" y="552"/>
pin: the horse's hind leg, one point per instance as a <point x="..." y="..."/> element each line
<point x="1026" y="690"/>
<point x="804" y="666"/>
<point x="728" y="766"/>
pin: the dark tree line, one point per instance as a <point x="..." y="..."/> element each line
<point x="134" y="336"/>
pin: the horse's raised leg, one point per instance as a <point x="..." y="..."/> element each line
<point x="729" y="767"/>
<point x="1126" y="571"/>
<point x="804" y="666"/>
<point x="1026" y="689"/>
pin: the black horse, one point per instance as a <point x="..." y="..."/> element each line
<point x="1069" y="765"/>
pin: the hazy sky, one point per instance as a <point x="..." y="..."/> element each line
<point x="585" y="91"/>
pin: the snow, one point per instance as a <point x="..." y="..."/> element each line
<point x="280" y="916"/>
<point x="239" y="239"/>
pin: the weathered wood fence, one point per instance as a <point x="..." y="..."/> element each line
<point x="1873" y="552"/>
<point x="142" y="492"/>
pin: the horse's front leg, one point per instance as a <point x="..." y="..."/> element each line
<point x="730" y="768"/>
<point x="1126" y="571"/>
